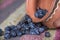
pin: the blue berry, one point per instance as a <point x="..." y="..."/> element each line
<point x="37" y="31"/>
<point x="38" y="24"/>
<point x="19" y="33"/>
<point x="32" y="32"/>
<point x="28" y="19"/>
<point x="1" y="32"/>
<point x="7" y="28"/>
<point x="13" y="33"/>
<point x="27" y="32"/>
<point x="19" y="27"/>
<point x="22" y="29"/>
<point x="23" y="32"/>
<point x="40" y="13"/>
<point x="20" y="23"/>
<point x="7" y="36"/>
<point x="45" y="27"/>
<point x="13" y="26"/>
<point x="7" y="32"/>
<point x="47" y="34"/>
<point x="32" y="25"/>
<point x="36" y="15"/>
<point x="41" y="29"/>
<point x="26" y="27"/>
<point x="23" y="25"/>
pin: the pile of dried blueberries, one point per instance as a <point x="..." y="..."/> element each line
<point x="24" y="27"/>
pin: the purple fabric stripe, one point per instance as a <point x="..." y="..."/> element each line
<point x="57" y="36"/>
<point x="5" y="12"/>
<point x="32" y="37"/>
<point x="6" y="3"/>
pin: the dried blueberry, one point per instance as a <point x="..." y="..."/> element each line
<point x="13" y="34"/>
<point x="23" y="32"/>
<point x="26" y="27"/>
<point x="15" y="28"/>
<point x="45" y="27"/>
<point x="7" y="28"/>
<point x="23" y="25"/>
<point x="1" y="32"/>
<point x="7" y="32"/>
<point x="41" y="29"/>
<point x="12" y="27"/>
<point x="28" y="19"/>
<point x="32" y="32"/>
<point x="20" y="23"/>
<point x="19" y="27"/>
<point x="47" y="34"/>
<point x="38" y="24"/>
<point x="27" y="32"/>
<point x="32" y="25"/>
<point x="40" y="13"/>
<point x="19" y="33"/>
<point x="37" y="31"/>
<point x="7" y="36"/>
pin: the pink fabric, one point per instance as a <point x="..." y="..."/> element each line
<point x="40" y="37"/>
<point x="6" y="3"/>
<point x="57" y="36"/>
<point x="32" y="37"/>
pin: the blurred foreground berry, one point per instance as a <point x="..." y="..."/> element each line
<point x="47" y="34"/>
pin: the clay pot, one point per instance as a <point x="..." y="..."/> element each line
<point x="49" y="5"/>
<point x="54" y="21"/>
<point x="32" y="5"/>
